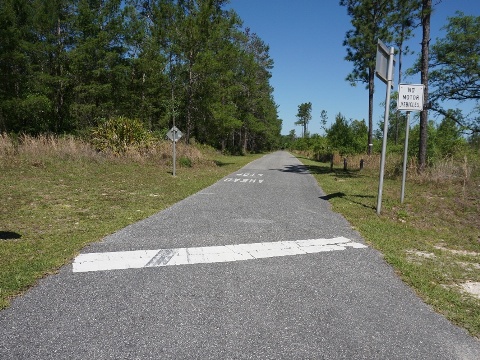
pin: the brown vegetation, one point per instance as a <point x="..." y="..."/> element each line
<point x="37" y="149"/>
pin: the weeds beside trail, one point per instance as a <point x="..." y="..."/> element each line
<point x="432" y="240"/>
<point x="60" y="194"/>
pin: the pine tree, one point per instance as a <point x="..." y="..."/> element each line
<point x="422" y="144"/>
<point x="370" y="21"/>
<point x="52" y="22"/>
<point x="304" y="116"/>
<point x="16" y="37"/>
<point x="455" y="69"/>
<point x="148" y="42"/>
<point x="98" y="62"/>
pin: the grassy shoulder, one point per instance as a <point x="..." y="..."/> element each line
<point x="59" y="197"/>
<point x="57" y="202"/>
<point x="432" y="240"/>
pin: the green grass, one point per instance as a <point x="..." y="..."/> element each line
<point x="58" y="199"/>
<point x="55" y="205"/>
<point x="432" y="240"/>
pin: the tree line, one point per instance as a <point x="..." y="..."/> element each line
<point x="69" y="65"/>
<point x="449" y="69"/>
<point x="347" y="137"/>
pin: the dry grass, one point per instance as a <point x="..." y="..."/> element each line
<point x="447" y="191"/>
<point x="432" y="239"/>
<point x="445" y="171"/>
<point x="39" y="149"/>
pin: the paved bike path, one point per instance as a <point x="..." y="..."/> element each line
<point x="261" y="268"/>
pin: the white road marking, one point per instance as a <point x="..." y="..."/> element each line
<point x="208" y="254"/>
<point x="251" y="178"/>
<point x="249" y="174"/>
<point x="249" y="181"/>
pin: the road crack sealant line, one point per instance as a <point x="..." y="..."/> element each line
<point x="209" y="254"/>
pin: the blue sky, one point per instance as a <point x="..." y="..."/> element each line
<point x="305" y="39"/>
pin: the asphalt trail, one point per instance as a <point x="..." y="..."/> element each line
<point x="344" y="304"/>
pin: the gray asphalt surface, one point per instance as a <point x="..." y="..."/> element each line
<point x="331" y="305"/>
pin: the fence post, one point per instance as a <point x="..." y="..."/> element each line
<point x="361" y="164"/>
<point x="345" y="164"/>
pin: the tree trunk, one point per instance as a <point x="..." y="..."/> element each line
<point x="190" y="99"/>
<point x="422" y="146"/>
<point x="400" y="55"/>
<point x="245" y="141"/>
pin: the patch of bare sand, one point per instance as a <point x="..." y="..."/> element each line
<point x="473" y="288"/>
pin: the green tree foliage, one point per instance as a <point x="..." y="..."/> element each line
<point x="148" y="49"/>
<point x="16" y="41"/>
<point x="425" y="15"/>
<point x="449" y="139"/>
<point x="98" y="63"/>
<point x="323" y="119"/>
<point x="455" y="69"/>
<point x="370" y="21"/>
<point x="304" y="116"/>
<point x="257" y="110"/>
<point x="339" y="135"/>
<point x="288" y="141"/>
<point x="446" y="140"/>
<point x="474" y="141"/>
<point x="347" y="138"/>
<point x="68" y="64"/>
<point x="360" y="135"/>
<point x="404" y="20"/>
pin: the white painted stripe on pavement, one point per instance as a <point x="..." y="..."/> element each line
<point x="208" y="254"/>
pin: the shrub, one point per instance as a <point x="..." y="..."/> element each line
<point x="185" y="161"/>
<point x="119" y="134"/>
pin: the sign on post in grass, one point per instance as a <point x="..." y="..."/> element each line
<point x="174" y="134"/>
<point x="410" y="97"/>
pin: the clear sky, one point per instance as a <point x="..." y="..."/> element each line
<point x="305" y="39"/>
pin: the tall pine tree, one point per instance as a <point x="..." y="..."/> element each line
<point x="371" y="21"/>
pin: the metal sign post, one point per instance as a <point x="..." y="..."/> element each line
<point x="405" y="157"/>
<point x="174" y="158"/>
<point x="385" y="73"/>
<point x="410" y="98"/>
<point x="174" y="134"/>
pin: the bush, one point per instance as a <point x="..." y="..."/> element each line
<point x="120" y="134"/>
<point x="185" y="162"/>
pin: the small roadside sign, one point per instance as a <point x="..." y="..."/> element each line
<point x="410" y="97"/>
<point x="174" y="134"/>
<point x="384" y="69"/>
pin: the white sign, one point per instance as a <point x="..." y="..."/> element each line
<point x="174" y="134"/>
<point x="410" y="97"/>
